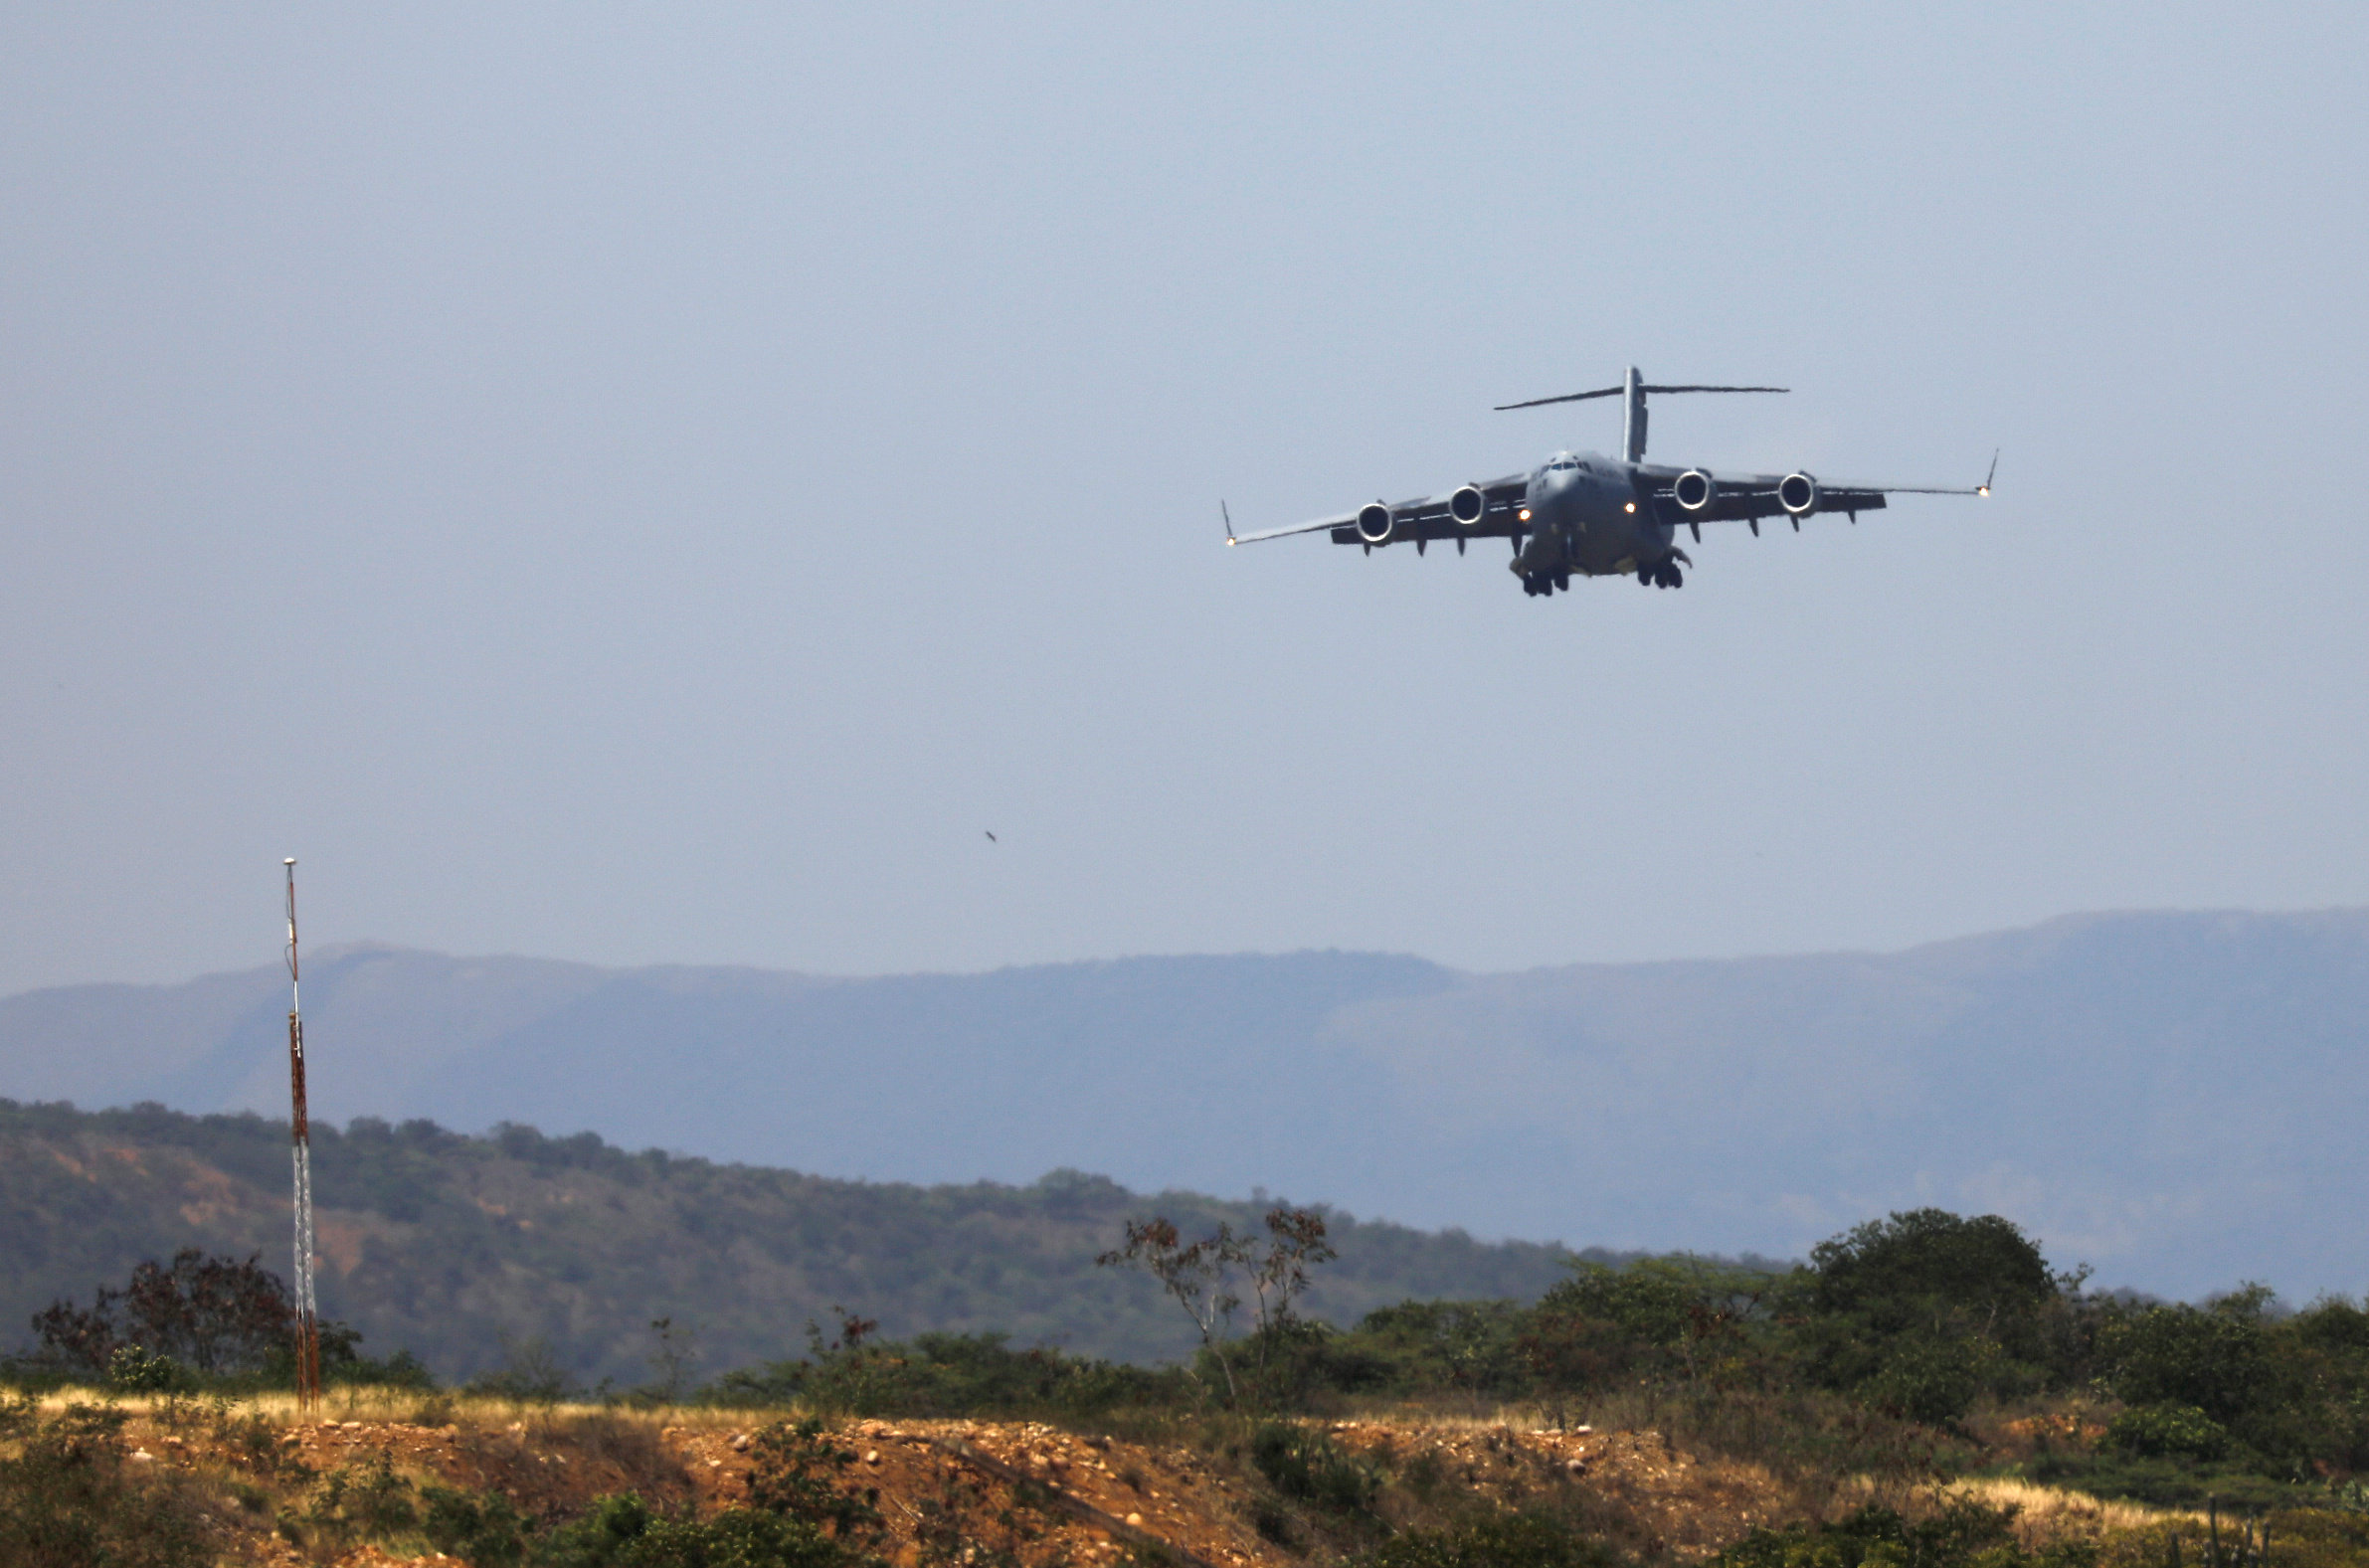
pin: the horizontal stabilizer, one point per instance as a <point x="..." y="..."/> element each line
<point x="1614" y="392"/>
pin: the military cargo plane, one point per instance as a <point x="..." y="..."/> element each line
<point x="1584" y="514"/>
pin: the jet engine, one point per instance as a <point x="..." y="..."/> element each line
<point x="1373" y="523"/>
<point x="1797" y="493"/>
<point x="1693" y="490"/>
<point x="1467" y="504"/>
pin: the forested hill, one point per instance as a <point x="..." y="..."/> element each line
<point x="454" y="1247"/>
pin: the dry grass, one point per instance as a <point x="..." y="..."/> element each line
<point x="2045" y="1514"/>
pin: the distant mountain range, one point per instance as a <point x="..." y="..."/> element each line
<point x="2178" y="1098"/>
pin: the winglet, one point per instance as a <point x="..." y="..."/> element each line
<point x="1984" y="488"/>
<point x="1229" y="517"/>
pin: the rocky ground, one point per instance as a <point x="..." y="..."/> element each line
<point x="1027" y="1495"/>
<point x="1046" y="1496"/>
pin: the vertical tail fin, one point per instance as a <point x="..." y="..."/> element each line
<point x="1631" y="392"/>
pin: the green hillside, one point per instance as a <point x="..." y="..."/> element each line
<point x="454" y="1246"/>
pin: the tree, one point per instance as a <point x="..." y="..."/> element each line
<point x="1915" y="1266"/>
<point x="215" y="1314"/>
<point x="1202" y="1276"/>
<point x="2214" y="1359"/>
<point x="1924" y="1311"/>
<point x="1676" y="1315"/>
<point x="671" y="1359"/>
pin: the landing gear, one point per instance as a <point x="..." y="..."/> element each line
<point x="1563" y="581"/>
<point x="1662" y="573"/>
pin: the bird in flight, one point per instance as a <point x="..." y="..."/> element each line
<point x="991" y="838"/>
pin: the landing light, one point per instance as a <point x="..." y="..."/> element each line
<point x="1521" y="516"/>
<point x="1632" y="506"/>
<point x="1982" y="490"/>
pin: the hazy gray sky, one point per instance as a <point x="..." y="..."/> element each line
<point x="656" y="483"/>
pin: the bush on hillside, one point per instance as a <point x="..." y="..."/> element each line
<point x="2212" y="1357"/>
<point x="1925" y="1311"/>
<point x="2166" y="1430"/>
<point x="1308" y="1464"/>
<point x="623" y="1531"/>
<point x="1518" y="1540"/>
<point x="949" y="1375"/>
<point x="69" y="1498"/>
<point x="1673" y="1317"/>
<point x="482" y="1529"/>
<point x="136" y="1370"/>
<point x="1934" y="1378"/>
<point x="799" y="1473"/>
<point x="1962" y="1535"/>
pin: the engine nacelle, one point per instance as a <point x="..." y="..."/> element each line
<point x="1467" y="504"/>
<point x="1373" y="523"/>
<point x="1694" y="491"/>
<point x="1797" y="493"/>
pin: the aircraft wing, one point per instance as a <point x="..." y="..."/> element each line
<point x="1349" y="521"/>
<point x="1748" y="497"/>
<point x="1744" y="498"/>
<point x="1424" y="518"/>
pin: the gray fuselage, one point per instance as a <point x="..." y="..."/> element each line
<point x="1588" y="516"/>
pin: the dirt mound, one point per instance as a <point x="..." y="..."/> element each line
<point x="1633" y="1486"/>
<point x="1028" y="1495"/>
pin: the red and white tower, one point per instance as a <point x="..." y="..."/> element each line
<point x="308" y="1340"/>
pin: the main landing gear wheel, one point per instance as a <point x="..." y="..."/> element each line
<point x="1563" y="581"/>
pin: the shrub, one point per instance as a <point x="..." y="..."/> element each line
<point x="2166" y="1430"/>
<point x="1932" y="1379"/>
<point x="138" y="1370"/>
<point x="949" y="1374"/>
<point x="2213" y="1358"/>
<point x="797" y="1472"/>
<point x="484" y="1531"/>
<point x="1519" y="1541"/>
<point x="354" y="1503"/>
<point x="1313" y="1467"/>
<point x="1471" y="1346"/>
<point x="529" y="1373"/>
<point x="66" y="1500"/>
<point x="624" y="1532"/>
<point x="613" y="1527"/>
<point x="1962" y="1536"/>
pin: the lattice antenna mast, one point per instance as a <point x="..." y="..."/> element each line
<point x="308" y="1336"/>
